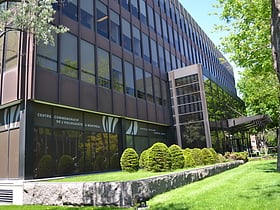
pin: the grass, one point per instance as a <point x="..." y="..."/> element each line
<point x="253" y="186"/>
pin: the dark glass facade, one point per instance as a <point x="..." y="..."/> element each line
<point x="104" y="86"/>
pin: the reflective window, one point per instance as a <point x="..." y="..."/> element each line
<point x="47" y="56"/>
<point x="164" y="30"/>
<point x="103" y="68"/>
<point x="158" y="24"/>
<point x="129" y="79"/>
<point x="143" y="13"/>
<point x="170" y="33"/>
<point x="161" y="59"/>
<point x="151" y="19"/>
<point x="117" y="75"/>
<point x="102" y="19"/>
<point x="11" y="51"/>
<point x="87" y="13"/>
<point x="167" y="60"/>
<point x="164" y="92"/>
<point x="167" y="8"/>
<point x="125" y="4"/>
<point x="68" y="55"/>
<point x="140" y="89"/>
<point x="145" y="47"/>
<point x="154" y="53"/>
<point x="70" y="9"/>
<point x="176" y="41"/>
<point x="174" y="62"/>
<point x="126" y="35"/>
<point x="149" y="86"/>
<point x="87" y="62"/>
<point x="158" y="97"/>
<point x="136" y="41"/>
<point x="134" y="8"/>
<point x="172" y="10"/>
<point x="115" y="27"/>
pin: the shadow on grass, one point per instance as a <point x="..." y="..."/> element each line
<point x="268" y="167"/>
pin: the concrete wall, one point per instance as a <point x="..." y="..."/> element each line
<point x="123" y="194"/>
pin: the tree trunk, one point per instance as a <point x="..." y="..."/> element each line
<point x="275" y="40"/>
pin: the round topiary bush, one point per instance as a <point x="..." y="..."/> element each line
<point x="159" y="158"/>
<point x="215" y="155"/>
<point x="143" y="160"/>
<point x="189" y="161"/>
<point x="177" y="157"/>
<point x="129" y="160"/>
<point x="45" y="166"/>
<point x="207" y="156"/>
<point x="65" y="165"/>
<point x="197" y="156"/>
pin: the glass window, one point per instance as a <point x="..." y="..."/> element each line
<point x="164" y="92"/>
<point x="134" y="8"/>
<point x="164" y="30"/>
<point x="87" y="62"/>
<point x="103" y="68"/>
<point x="170" y="33"/>
<point x="145" y="47"/>
<point x="136" y="41"/>
<point x="47" y="56"/>
<point x="154" y="53"/>
<point x="157" y="91"/>
<point x="70" y="9"/>
<point x="151" y="19"/>
<point x="102" y="19"/>
<point x="161" y="4"/>
<point x="161" y="59"/>
<point x="158" y="24"/>
<point x="173" y="60"/>
<point x="140" y="89"/>
<point x="143" y="13"/>
<point x="126" y="35"/>
<point x="115" y="27"/>
<point x="176" y="41"/>
<point x="149" y="86"/>
<point x="87" y="13"/>
<point x="69" y="58"/>
<point x="167" y="60"/>
<point x="125" y="4"/>
<point x="117" y="75"/>
<point x="172" y="9"/>
<point x="167" y="8"/>
<point x="12" y="51"/>
<point x="129" y="79"/>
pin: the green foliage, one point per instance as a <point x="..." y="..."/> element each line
<point x="197" y="156"/>
<point x="33" y="16"/>
<point x="159" y="158"/>
<point x="207" y="156"/>
<point x="189" y="161"/>
<point x="45" y="166"/>
<point x="65" y="165"/>
<point x="143" y="160"/>
<point x="177" y="157"/>
<point x="237" y="156"/>
<point x="129" y="160"/>
<point x="215" y="155"/>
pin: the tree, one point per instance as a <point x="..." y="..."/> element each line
<point x="32" y="16"/>
<point x="249" y="46"/>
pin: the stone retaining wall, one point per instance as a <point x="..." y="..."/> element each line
<point x="123" y="194"/>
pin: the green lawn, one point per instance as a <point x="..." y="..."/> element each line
<point x="255" y="185"/>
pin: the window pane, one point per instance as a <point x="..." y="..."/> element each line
<point x="164" y="92"/>
<point x="117" y="73"/>
<point x="161" y="59"/>
<point x="164" y="30"/>
<point x="140" y="89"/>
<point x="70" y="9"/>
<point x="129" y="79"/>
<point x="136" y="41"/>
<point x="87" y="62"/>
<point x="158" y="24"/>
<point x="47" y="55"/>
<point x="157" y="91"/>
<point x="126" y="35"/>
<point x="102" y="19"/>
<point x="145" y="47"/>
<point x="115" y="27"/>
<point x="167" y="60"/>
<point x="103" y="68"/>
<point x="143" y="13"/>
<point x="149" y="86"/>
<point x="151" y="18"/>
<point x="12" y="50"/>
<point x="125" y="4"/>
<point x="68" y="58"/>
<point x="134" y="8"/>
<point x="87" y="13"/>
<point x="154" y="53"/>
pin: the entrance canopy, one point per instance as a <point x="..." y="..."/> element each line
<point x="246" y="123"/>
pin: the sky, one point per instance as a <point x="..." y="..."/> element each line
<point x="200" y="10"/>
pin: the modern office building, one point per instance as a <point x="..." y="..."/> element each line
<point x="128" y="73"/>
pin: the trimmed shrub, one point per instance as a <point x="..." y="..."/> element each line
<point x="143" y="160"/>
<point x="189" y="161"/>
<point x="177" y="157"/>
<point x="215" y="155"/>
<point x="207" y="156"/>
<point x="129" y="160"/>
<point x="65" y="165"/>
<point x="237" y="156"/>
<point x="221" y="158"/>
<point x="197" y="156"/>
<point x="45" y="166"/>
<point x="159" y="158"/>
